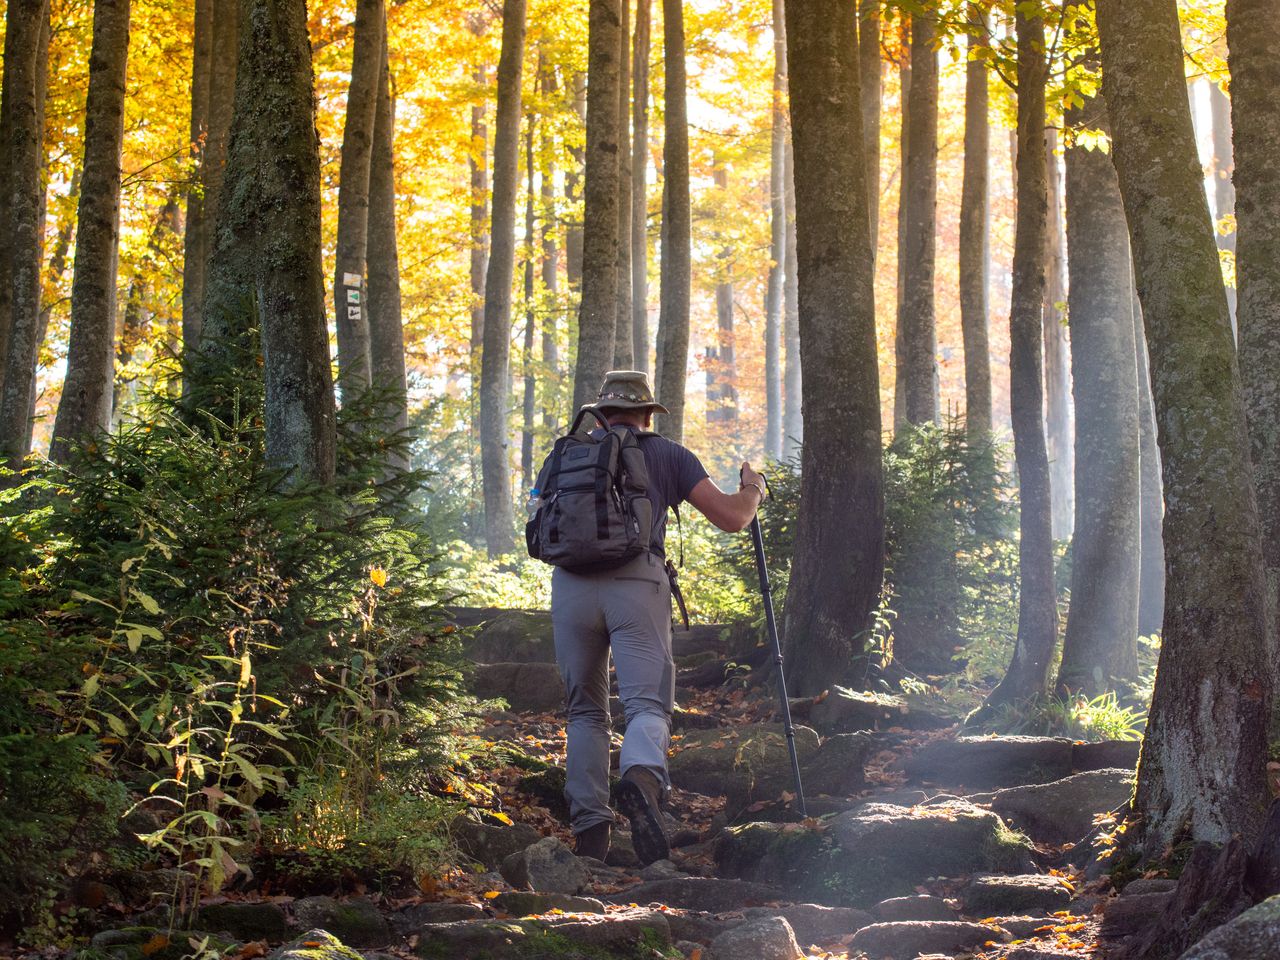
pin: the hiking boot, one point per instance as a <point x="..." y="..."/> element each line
<point x="593" y="841"/>
<point x="638" y="796"/>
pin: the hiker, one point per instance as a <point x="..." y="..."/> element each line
<point x="628" y="609"/>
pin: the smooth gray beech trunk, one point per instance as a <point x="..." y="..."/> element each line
<point x="495" y="356"/>
<point x="722" y="368"/>
<point x="354" y="352"/>
<point x="1224" y="191"/>
<point x="777" y="241"/>
<point x="904" y="131"/>
<point x="1100" y="644"/>
<point x="639" y="194"/>
<point x="623" y="339"/>
<point x="573" y="178"/>
<point x="975" y="237"/>
<point x="386" y="327"/>
<point x="478" y="163"/>
<point x="1255" y="79"/>
<point x="26" y="45"/>
<point x="195" y="239"/>
<point x="550" y="263"/>
<point x="839" y="550"/>
<point x="1151" y="588"/>
<point x="917" y="361"/>
<point x="870" y="68"/>
<point x="1202" y="775"/>
<point x="793" y="365"/>
<point x="673" y="316"/>
<point x="267" y="241"/>
<point x="1028" y="673"/>
<point x="85" y="407"/>
<point x="528" y="406"/>
<point x="1057" y="353"/>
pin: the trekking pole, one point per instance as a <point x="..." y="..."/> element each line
<point x="766" y="591"/>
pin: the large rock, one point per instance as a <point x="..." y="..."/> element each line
<point x="521" y="903"/>
<point x="1106" y="755"/>
<point x="991" y="762"/>
<point x="356" y="922"/>
<point x="532" y="687"/>
<point x="709" y="894"/>
<point x="994" y="895"/>
<point x="742" y="764"/>
<point x="315" y="945"/>
<point x="629" y="935"/>
<point x="489" y="844"/>
<point x="547" y="866"/>
<point x="1254" y="935"/>
<point x="908" y="938"/>
<point x="848" y="711"/>
<point x="920" y="907"/>
<point x="513" y="636"/>
<point x="1129" y="914"/>
<point x="406" y="921"/>
<point x="837" y="766"/>
<point x="1063" y="811"/>
<point x="814" y="923"/>
<point x="245" y="921"/>
<point x="767" y="938"/>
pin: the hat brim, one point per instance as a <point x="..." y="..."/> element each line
<point x="603" y="405"/>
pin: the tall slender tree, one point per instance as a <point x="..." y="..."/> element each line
<point x="792" y="370"/>
<point x="1255" y="77"/>
<point x="1057" y="352"/>
<point x="870" y="68"/>
<point x="195" y="240"/>
<point x="1202" y="772"/>
<point x="1224" y="191"/>
<point x="975" y="233"/>
<point x="773" y="304"/>
<point x="85" y="408"/>
<point x="904" y="116"/>
<point x="528" y="406"/>
<point x="623" y="339"/>
<point x="1028" y="673"/>
<point x="495" y="358"/>
<point x="673" y="317"/>
<point x="839" y="553"/>
<point x="639" y="188"/>
<point x="1151" y="588"/>
<point x="550" y="261"/>
<point x="573" y="177"/>
<point x="722" y="368"/>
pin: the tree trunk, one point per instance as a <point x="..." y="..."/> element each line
<point x="550" y="273"/>
<point x="26" y="47"/>
<point x="1102" y="625"/>
<point x="623" y="339"/>
<point x="195" y="239"/>
<point x="573" y="191"/>
<point x="495" y="357"/>
<point x="793" y="365"/>
<point x="722" y="372"/>
<point x="85" y="408"/>
<point x="1255" y="72"/>
<point x="917" y="321"/>
<point x="529" y="405"/>
<point x="869" y="69"/>
<point x="386" y="327"/>
<point x="135" y="326"/>
<point x="975" y="237"/>
<point x="673" y="319"/>
<point x="1224" y="191"/>
<point x="1057" y="354"/>
<point x="267" y="241"/>
<point x="777" y="241"/>
<point x="839" y="553"/>
<point x="1028" y="673"/>
<point x="1151" y="589"/>
<point x="1205" y="751"/>
<point x="639" y="198"/>
<point x="904" y="98"/>
<point x="478" y="163"/>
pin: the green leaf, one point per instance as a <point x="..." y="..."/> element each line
<point x="148" y="602"/>
<point x="117" y="725"/>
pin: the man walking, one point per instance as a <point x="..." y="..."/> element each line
<point x="627" y="610"/>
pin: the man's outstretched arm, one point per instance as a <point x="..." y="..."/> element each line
<point x="730" y="512"/>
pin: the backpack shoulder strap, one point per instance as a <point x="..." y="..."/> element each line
<point x="582" y="415"/>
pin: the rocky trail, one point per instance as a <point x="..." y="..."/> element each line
<point x="919" y="843"/>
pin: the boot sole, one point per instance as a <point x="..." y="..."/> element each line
<point x="647" y="832"/>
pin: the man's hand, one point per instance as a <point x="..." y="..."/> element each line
<point x="730" y="512"/>
<point x="748" y="477"/>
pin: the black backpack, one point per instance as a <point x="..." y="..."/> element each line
<point x="592" y="510"/>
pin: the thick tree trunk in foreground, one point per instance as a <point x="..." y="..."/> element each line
<point x="85" y="408"/>
<point x="598" y="308"/>
<point x="26" y="45"/>
<point x="1028" y="673"/>
<point x="1205" y="751"/>
<point x="1255" y="79"/>
<point x="386" y="327"/>
<point x="777" y="241"/>
<point x="495" y="357"/>
<point x="1151" y="588"/>
<point x="195" y="240"/>
<point x="917" y="320"/>
<point x="673" y="317"/>
<point x="1057" y="354"/>
<point x="1102" y="624"/>
<point x="639" y="195"/>
<point x="623" y="342"/>
<point x="869" y="79"/>
<point x="267" y="245"/>
<point x="1224" y="191"/>
<point x="354" y="362"/>
<point x="839" y="555"/>
<point x="793" y="365"/>
<point x="975" y="238"/>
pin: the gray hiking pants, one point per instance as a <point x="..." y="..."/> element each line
<point x="628" y="609"/>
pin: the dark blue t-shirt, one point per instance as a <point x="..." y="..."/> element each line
<point x="673" y="473"/>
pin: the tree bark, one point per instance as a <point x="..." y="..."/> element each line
<point x="386" y="327"/>
<point x="267" y="242"/>
<point x="478" y="164"/>
<point x="195" y="239"/>
<point x="839" y="553"/>
<point x="869" y="70"/>
<point x="85" y="408"/>
<point x="975" y="237"/>
<point x="1151" y="589"/>
<point x="1102" y="625"/>
<point x="1224" y="191"/>
<point x="495" y="357"/>
<point x="904" y="98"/>
<point x="917" y="320"/>
<point x="573" y="191"/>
<point x="623" y="338"/>
<point x="26" y="47"/>
<point x="1202" y="772"/>
<point x="673" y="319"/>
<point x="1028" y="673"/>
<point x="722" y="371"/>
<point x="793" y="365"/>
<point x="777" y="241"/>
<point x="1255" y="72"/>
<point x="550" y="262"/>
<point x="639" y="196"/>
<point x="529" y="375"/>
<point x="1057" y="354"/>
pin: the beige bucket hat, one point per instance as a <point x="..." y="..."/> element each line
<point x="627" y="390"/>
